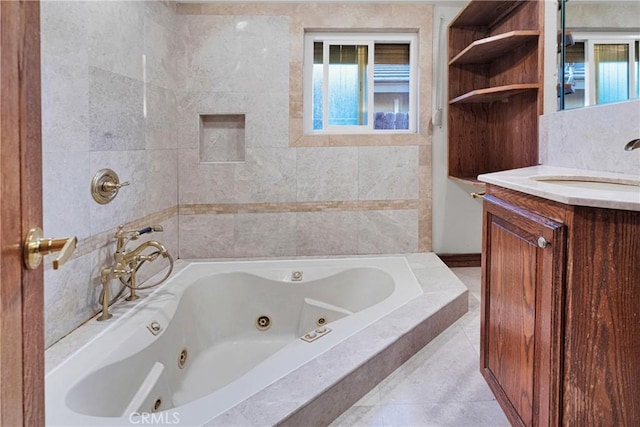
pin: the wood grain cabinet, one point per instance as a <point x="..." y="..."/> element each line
<point x="495" y="75"/>
<point x="560" y="319"/>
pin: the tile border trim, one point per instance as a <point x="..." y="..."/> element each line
<point x="297" y="207"/>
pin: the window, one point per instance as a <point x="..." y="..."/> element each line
<point x="601" y="68"/>
<point x="360" y="83"/>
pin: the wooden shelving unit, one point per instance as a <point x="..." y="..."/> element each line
<point x="495" y="87"/>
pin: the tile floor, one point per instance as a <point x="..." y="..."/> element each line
<point x="440" y="386"/>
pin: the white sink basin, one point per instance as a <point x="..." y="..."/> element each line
<point x="591" y="182"/>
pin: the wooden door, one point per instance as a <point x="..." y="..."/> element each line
<point x="522" y="255"/>
<point x="21" y="293"/>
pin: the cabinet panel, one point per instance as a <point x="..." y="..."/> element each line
<point x="520" y="66"/>
<point x="511" y="315"/>
<point x="602" y="354"/>
<point x="522" y="288"/>
<point x="470" y="124"/>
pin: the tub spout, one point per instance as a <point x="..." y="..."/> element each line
<point x="134" y="255"/>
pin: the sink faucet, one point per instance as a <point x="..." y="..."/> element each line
<point x="632" y="145"/>
<point x="127" y="263"/>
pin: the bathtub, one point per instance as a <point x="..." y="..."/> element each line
<point x="218" y="332"/>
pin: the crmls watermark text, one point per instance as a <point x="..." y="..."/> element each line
<point x="154" y="418"/>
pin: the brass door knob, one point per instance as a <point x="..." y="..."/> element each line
<point x="35" y="247"/>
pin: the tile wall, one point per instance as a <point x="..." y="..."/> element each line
<point x="108" y="101"/>
<point x="592" y="138"/>
<point x="123" y="85"/>
<point x="294" y="194"/>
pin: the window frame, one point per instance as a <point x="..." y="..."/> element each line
<point x="356" y="38"/>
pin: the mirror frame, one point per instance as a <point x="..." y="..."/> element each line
<point x="563" y="51"/>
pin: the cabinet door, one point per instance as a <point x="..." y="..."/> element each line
<point x="522" y="276"/>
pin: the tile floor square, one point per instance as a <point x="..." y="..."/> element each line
<point x="439" y="386"/>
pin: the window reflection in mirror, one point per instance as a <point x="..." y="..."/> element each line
<point x="601" y="68"/>
<point x="601" y="52"/>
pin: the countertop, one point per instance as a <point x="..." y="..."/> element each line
<point x="524" y="180"/>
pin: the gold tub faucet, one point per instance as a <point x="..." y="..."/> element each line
<point x="127" y="263"/>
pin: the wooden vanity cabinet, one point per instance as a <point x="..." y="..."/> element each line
<point x="522" y="283"/>
<point x="560" y="311"/>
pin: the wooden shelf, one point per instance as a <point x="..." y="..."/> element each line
<point x="479" y="13"/>
<point x="469" y="180"/>
<point x="493" y="94"/>
<point x="486" y="50"/>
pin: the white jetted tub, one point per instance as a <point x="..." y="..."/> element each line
<point x="216" y="333"/>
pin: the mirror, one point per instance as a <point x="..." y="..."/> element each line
<point x="598" y="55"/>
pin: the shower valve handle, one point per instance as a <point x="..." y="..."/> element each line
<point x="105" y="185"/>
<point x="111" y="186"/>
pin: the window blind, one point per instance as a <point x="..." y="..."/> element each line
<point x="384" y="53"/>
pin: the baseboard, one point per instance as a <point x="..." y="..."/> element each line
<point x="461" y="260"/>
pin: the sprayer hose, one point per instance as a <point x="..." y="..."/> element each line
<point x="127" y="284"/>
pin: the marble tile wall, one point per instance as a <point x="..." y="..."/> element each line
<point x="599" y="15"/>
<point x="592" y="138"/>
<point x="108" y="100"/>
<point x="294" y="194"/>
<point x="123" y="85"/>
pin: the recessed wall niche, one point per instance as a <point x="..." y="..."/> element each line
<point x="222" y="138"/>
